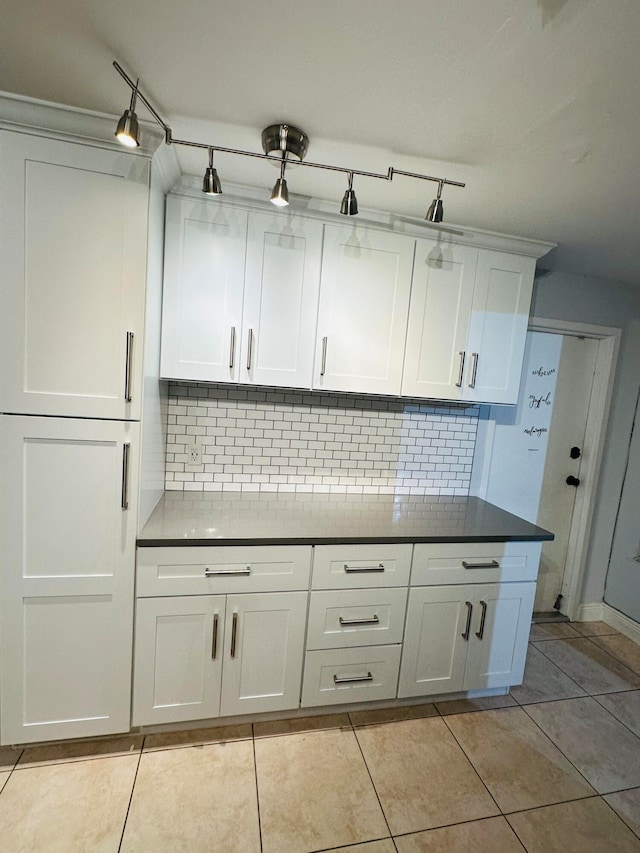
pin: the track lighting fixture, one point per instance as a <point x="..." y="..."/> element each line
<point x="282" y="144"/>
<point x="434" y="214"/>
<point x="349" y="206"/>
<point x="127" y="131"/>
<point x="211" y="182"/>
<point x="280" y="193"/>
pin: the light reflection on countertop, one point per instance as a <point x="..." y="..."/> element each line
<point x="199" y="518"/>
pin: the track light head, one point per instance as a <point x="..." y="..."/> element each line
<point x="349" y="206"/>
<point x="280" y="194"/>
<point x="127" y="131"/>
<point x="211" y="182"/>
<point x="435" y="212"/>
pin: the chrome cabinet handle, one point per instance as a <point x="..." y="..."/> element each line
<point x="353" y="679"/>
<point x="249" y="349"/>
<point x="128" y="368"/>
<point x="461" y="371"/>
<point x="474" y="370"/>
<point x="234" y="634"/>
<point x="378" y="568"/>
<point x="214" y="644"/>
<point x="465" y="636"/>
<point x="491" y="564"/>
<point x="124" y="494"/>
<point x="324" y="357"/>
<point x="371" y="620"/>
<point x="232" y="348"/>
<point x="480" y="633"/>
<point x="210" y="573"/>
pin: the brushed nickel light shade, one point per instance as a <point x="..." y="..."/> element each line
<point x="127" y="131"/>
<point x="280" y="193"/>
<point x="289" y="141"/>
<point x="436" y="210"/>
<point x="349" y="206"/>
<point x="211" y="182"/>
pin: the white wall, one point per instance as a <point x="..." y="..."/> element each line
<point x="564" y="296"/>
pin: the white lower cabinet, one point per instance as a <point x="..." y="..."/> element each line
<point x="465" y="637"/>
<point x="204" y="656"/>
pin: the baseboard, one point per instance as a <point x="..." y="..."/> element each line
<point x="591" y="612"/>
<point x="627" y="626"/>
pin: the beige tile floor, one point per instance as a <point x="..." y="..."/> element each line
<point x="554" y="766"/>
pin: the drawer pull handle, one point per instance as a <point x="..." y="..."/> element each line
<point x="249" y="349"/>
<point x="124" y="492"/>
<point x="323" y="367"/>
<point x="354" y="679"/>
<point x="490" y="564"/>
<point x="461" y="372"/>
<point x="372" y="620"/>
<point x="214" y="644"/>
<point x="378" y="568"/>
<point x="210" y="573"/>
<point x="232" y="347"/>
<point x="465" y="636"/>
<point x="480" y="633"/>
<point x="474" y="370"/>
<point x="234" y="634"/>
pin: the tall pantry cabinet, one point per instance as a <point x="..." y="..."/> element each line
<point x="73" y="220"/>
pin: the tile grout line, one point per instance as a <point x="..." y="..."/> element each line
<point x="11" y="772"/>
<point x="135" y="778"/>
<point x="255" y="776"/>
<point x="617" y="719"/>
<point x="373" y="784"/>
<point x="589" y="639"/>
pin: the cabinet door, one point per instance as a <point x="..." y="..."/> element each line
<point x="66" y="576"/>
<point x="435" y="650"/>
<point x="439" y="315"/>
<point x="364" y="301"/>
<point x="497" y="334"/>
<point x="282" y="282"/>
<point x="73" y="228"/>
<point x="498" y="643"/>
<point x="202" y="297"/>
<point x="264" y="647"/>
<point x="178" y="659"/>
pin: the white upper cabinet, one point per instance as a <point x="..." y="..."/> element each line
<point x="282" y="281"/>
<point x="73" y="227"/>
<point x="467" y="324"/>
<point x="439" y="316"/>
<point x="364" y="302"/>
<point x="497" y="335"/>
<point x="203" y="286"/>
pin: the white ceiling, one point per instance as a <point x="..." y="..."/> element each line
<point x="534" y="103"/>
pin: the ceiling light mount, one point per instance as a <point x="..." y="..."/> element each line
<point x="282" y="144"/>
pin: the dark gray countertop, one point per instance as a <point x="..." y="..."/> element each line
<point x="265" y="518"/>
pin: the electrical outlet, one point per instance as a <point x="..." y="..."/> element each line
<point x="194" y="452"/>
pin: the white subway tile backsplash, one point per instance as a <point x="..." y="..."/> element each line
<point x="262" y="440"/>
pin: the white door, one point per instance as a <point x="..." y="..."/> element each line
<point x="264" y="647"/>
<point x="364" y="303"/>
<point x="282" y="282"/>
<point x="205" y="246"/>
<point x="66" y="576"/>
<point x="73" y="231"/>
<point x="499" y="635"/>
<point x="497" y="334"/>
<point x="439" y="316"/>
<point x="178" y="659"/>
<point x="568" y="424"/>
<point x="436" y="640"/>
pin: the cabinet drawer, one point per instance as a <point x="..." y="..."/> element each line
<point x="353" y="617"/>
<point x="339" y="676"/>
<point x="200" y="570"/>
<point x="474" y="562"/>
<point x="361" y="566"/>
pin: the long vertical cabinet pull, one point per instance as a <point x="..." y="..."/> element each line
<point x="474" y="370"/>
<point x="480" y="633"/>
<point x="461" y="372"/>
<point x="249" y="349"/>
<point x="128" y="368"/>
<point x="232" y="348"/>
<point x="214" y="644"/>
<point x="124" y="495"/>
<point x="323" y="366"/>
<point x="467" y="629"/>
<point x="234" y="634"/>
